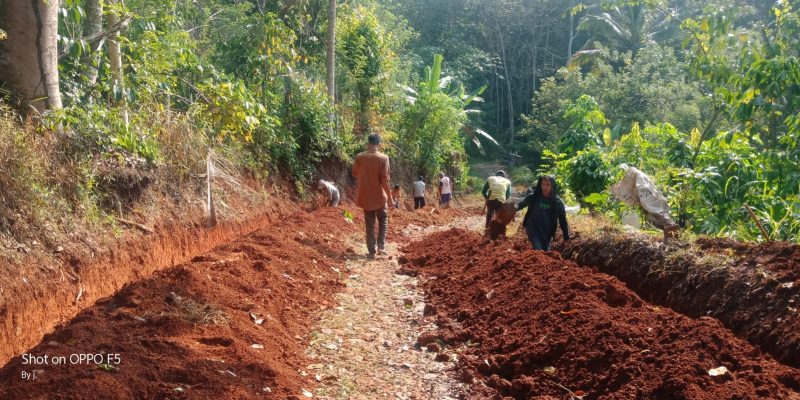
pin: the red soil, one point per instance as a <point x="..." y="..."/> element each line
<point x="187" y="332"/>
<point x="423" y="217"/>
<point x="36" y="297"/>
<point x="754" y="290"/>
<point x="521" y="312"/>
<point x="781" y="258"/>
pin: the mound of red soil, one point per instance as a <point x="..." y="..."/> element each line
<point x="40" y="293"/>
<point x="535" y="325"/>
<point x="756" y="295"/>
<point x="228" y="325"/>
<point x="424" y="217"/>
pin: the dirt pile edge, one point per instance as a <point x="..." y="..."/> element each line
<point x="525" y="323"/>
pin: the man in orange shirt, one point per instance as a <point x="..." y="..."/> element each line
<point x="371" y="170"/>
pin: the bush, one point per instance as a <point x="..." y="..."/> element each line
<point x="588" y="173"/>
<point x="430" y="135"/>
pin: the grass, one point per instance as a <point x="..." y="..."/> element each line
<point x="55" y="189"/>
<point x="191" y="310"/>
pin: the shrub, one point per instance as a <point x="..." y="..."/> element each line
<point x="588" y="173"/>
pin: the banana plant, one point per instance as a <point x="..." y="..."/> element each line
<point x="433" y="82"/>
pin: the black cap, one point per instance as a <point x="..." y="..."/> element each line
<point x="500" y="173"/>
<point x="374" y="139"/>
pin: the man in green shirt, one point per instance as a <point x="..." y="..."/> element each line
<point x="495" y="192"/>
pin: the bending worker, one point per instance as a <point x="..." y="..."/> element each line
<point x="329" y="190"/>
<point x="495" y="192"/>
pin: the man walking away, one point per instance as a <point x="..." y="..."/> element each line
<point x="418" y="191"/>
<point x="545" y="212"/>
<point x="445" y="190"/>
<point x="371" y="170"/>
<point x="329" y="190"/>
<point x="495" y="192"/>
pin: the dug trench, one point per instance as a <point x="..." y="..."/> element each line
<point x="753" y="289"/>
<point x="528" y="324"/>
<point x="46" y="294"/>
<point x="232" y="323"/>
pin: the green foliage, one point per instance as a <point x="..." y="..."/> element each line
<point x="715" y="123"/>
<point x="25" y="192"/>
<point x="595" y="200"/>
<point x="588" y="173"/>
<point x="430" y="135"/>
<point x="628" y="26"/>
<point x="432" y="123"/>
<point x="650" y="88"/>
<point x="366" y="56"/>
<point x="240" y="73"/>
<point x="586" y="120"/>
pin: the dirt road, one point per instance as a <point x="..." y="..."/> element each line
<point x="296" y="311"/>
<point x="233" y="323"/>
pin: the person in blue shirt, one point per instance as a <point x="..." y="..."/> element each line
<point x="545" y="212"/>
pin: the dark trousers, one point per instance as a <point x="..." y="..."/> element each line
<point x="538" y="243"/>
<point x="419" y="202"/>
<point x="491" y="207"/>
<point x="369" y="218"/>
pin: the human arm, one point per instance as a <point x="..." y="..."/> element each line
<point x="508" y="191"/>
<point x="562" y="220"/>
<point x="525" y="202"/>
<point x="355" y="167"/>
<point x="485" y="190"/>
<point x="385" y="180"/>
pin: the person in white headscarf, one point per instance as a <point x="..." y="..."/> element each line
<point x="329" y="190"/>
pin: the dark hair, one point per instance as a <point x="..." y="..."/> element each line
<point x="396" y="187"/>
<point x="374" y="139"/>
<point x="538" y="190"/>
<point x="420" y="178"/>
<point x="500" y="173"/>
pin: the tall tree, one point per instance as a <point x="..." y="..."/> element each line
<point x="331" y="60"/>
<point x="93" y="25"/>
<point x="115" y="57"/>
<point x="504" y="60"/>
<point x="628" y="27"/>
<point x="29" y="56"/>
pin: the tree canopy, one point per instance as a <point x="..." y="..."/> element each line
<point x="704" y="96"/>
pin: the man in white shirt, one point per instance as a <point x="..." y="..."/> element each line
<point x="445" y="190"/>
<point x="329" y="190"/>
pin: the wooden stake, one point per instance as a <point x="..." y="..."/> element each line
<point x="758" y="224"/>
<point x="212" y="213"/>
<point x="135" y="225"/>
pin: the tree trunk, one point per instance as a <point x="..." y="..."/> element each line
<point x="497" y="101"/>
<point x="115" y="61"/>
<point x="92" y="25"/>
<point x="331" y="62"/>
<point x="571" y="29"/>
<point x="29" y="56"/>
<point x="361" y="126"/>
<point x="508" y="87"/>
